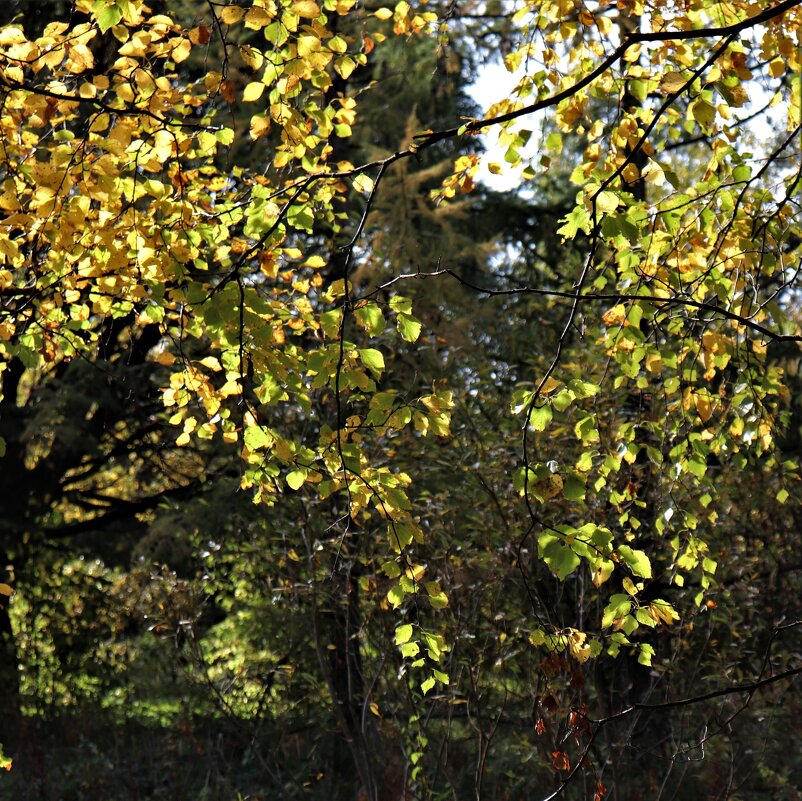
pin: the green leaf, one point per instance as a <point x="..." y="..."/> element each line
<point x="225" y="136"/>
<point x="410" y="650"/>
<point x="5" y="762"/>
<point x="400" y="304"/>
<point x="401" y="535"/>
<point x="606" y="202"/>
<point x="330" y="323"/>
<point x="409" y="327"/>
<point x="577" y="220"/>
<point x="586" y="430"/>
<point x="396" y="595"/>
<point x="403" y="634"/>
<point x="373" y="360"/>
<point x="563" y="399"/>
<point x="437" y="598"/>
<point x="296" y="478"/>
<point x="618" y="607"/>
<point x="561" y="560"/>
<point x="703" y="112"/>
<point x="636" y="560"/>
<point x="370" y="317"/>
<point x="257" y="437"/>
<point x="301" y="217"/>
<point x="540" y="417"/>
<point x="646" y="654"/>
<point x="574" y="488"/>
<point x="554" y="142"/>
<point x="520" y="400"/>
<point x="107" y="16"/>
<point x="583" y="389"/>
<point x="427" y="685"/>
<point x="391" y="569"/>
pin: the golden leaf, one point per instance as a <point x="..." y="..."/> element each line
<point x="308" y="9"/>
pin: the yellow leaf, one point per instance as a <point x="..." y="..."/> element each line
<point x="308" y="9"/>
<point x="363" y="183"/>
<point x="653" y="173"/>
<point x="672" y="82"/>
<point x="6" y="590"/>
<point x="307" y="44"/>
<point x="181" y="51"/>
<point x="615" y="316"/>
<point x="257" y="18"/>
<point x="579" y="648"/>
<point x="344" y="66"/>
<point x="383" y="13"/>
<point x="260" y="125"/>
<point x="80" y="58"/>
<point x="231" y="14"/>
<point x="776" y="67"/>
<point x="253" y="91"/>
<point x="252" y="57"/>
<point x="12" y="36"/>
<point x="550" y="385"/>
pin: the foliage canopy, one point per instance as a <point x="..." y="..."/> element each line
<point x="552" y="401"/>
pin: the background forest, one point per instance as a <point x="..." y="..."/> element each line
<point x="331" y="472"/>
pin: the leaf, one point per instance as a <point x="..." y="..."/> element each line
<point x="108" y="16"/>
<point x="606" y="202"/>
<point x="410" y="650"/>
<point x="257" y="18"/>
<point x="672" y="82"/>
<point x="646" y="652"/>
<point x="399" y="303"/>
<point x="373" y="360"/>
<point x="576" y="221"/>
<point x="437" y="598"/>
<point x="344" y="66"/>
<point x="440" y="676"/>
<point x="231" y="14"/>
<point x="636" y="560"/>
<point x="363" y="183"/>
<point x="574" y="488"/>
<point x="403" y="633"/>
<point x="5" y="589"/>
<point x="257" y="437"/>
<point x="408" y="326"/>
<point x="253" y="91"/>
<point x="617" y="609"/>
<point x="306" y="8"/>
<point x="370" y="317"/>
<point x="181" y="51"/>
<point x="296" y="478"/>
<point x="427" y="684"/>
<point x="540" y="417"/>
<point x="561" y="559"/>
<point x="703" y="112"/>
<point x="396" y="595"/>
